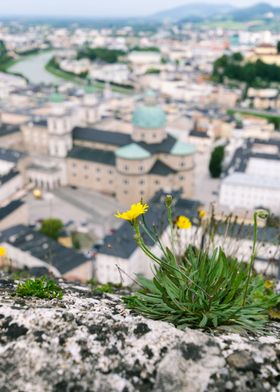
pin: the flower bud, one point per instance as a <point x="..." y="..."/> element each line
<point x="262" y="214"/>
<point x="168" y="200"/>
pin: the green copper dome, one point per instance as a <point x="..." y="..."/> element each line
<point x="181" y="148"/>
<point x="57" y="98"/>
<point x="90" y="89"/>
<point x="132" y="151"/>
<point x="149" y="117"/>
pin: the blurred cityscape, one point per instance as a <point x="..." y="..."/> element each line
<point x="97" y="114"/>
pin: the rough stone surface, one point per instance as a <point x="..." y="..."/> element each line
<point x="91" y="343"/>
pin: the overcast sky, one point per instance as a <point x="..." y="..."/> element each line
<point x="101" y="7"/>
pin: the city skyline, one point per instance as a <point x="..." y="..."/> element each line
<point x="108" y="8"/>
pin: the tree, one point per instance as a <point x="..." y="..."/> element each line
<point x="51" y="227"/>
<point x="237" y="56"/>
<point x="216" y="161"/>
<point x="110" y="56"/>
<point x="278" y="47"/>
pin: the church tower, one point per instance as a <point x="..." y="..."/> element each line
<point x="90" y="107"/>
<point x="60" y="128"/>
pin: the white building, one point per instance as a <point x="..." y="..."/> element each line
<point x="10" y="184"/>
<point x="253" y="177"/>
<point x="250" y="192"/>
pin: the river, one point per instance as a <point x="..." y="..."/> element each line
<point x="33" y="68"/>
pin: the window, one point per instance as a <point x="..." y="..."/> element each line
<point x="141" y="182"/>
<point x="126" y="168"/>
<point x="110" y="171"/>
<point x="125" y="192"/>
<point x="142" y="193"/>
<point x="141" y="168"/>
<point x="156" y="182"/>
<point x="97" y="169"/>
<point x="86" y="177"/>
<point x="182" y="163"/>
<point x="86" y="167"/>
<point x="98" y="179"/>
<point x="125" y="181"/>
<point x="74" y="164"/>
<point x="182" y="178"/>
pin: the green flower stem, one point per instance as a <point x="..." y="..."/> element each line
<point x="252" y="258"/>
<point x="154" y="236"/>
<point x="142" y="244"/>
<point x="170" y="221"/>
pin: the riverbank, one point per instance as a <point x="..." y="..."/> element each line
<point x="53" y="68"/>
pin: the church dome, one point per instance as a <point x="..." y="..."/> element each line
<point x="132" y="151"/>
<point x="149" y="115"/>
<point x="90" y="89"/>
<point x="57" y="98"/>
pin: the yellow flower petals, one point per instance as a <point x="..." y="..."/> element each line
<point x="135" y="211"/>
<point x="2" y="251"/>
<point x="183" y="222"/>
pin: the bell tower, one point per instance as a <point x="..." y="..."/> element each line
<point x="60" y="128"/>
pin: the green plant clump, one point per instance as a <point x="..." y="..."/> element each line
<point x="200" y="288"/>
<point x="204" y="291"/>
<point x="108" y="288"/>
<point x="40" y="288"/>
<point x="51" y="227"/>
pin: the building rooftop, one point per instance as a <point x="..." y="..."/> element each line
<point x="202" y="135"/>
<point x="7" y="129"/>
<point x="164" y="147"/>
<point x="99" y="136"/>
<point x="249" y="180"/>
<point x="93" y="155"/>
<point x="161" y="169"/>
<point x="27" y="239"/>
<point x="181" y="148"/>
<point x="132" y="151"/>
<point x="242" y="155"/>
<point x="10" y="208"/>
<point x="9" y="155"/>
<point x="8" y="177"/>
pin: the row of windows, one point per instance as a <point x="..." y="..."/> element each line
<point x="154" y="135"/>
<point x="86" y="167"/>
<point x="141" y="192"/>
<point x="141" y="168"/>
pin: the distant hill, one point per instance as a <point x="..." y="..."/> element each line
<point x="254" y="12"/>
<point x="196" y="10"/>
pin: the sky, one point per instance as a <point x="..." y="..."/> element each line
<point x="99" y="8"/>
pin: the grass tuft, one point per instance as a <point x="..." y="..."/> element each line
<point x="40" y="288"/>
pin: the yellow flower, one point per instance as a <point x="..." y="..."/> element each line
<point x="183" y="222"/>
<point x="2" y="251"/>
<point x="202" y="214"/>
<point x="268" y="284"/>
<point x="274" y="314"/>
<point x="135" y="211"/>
